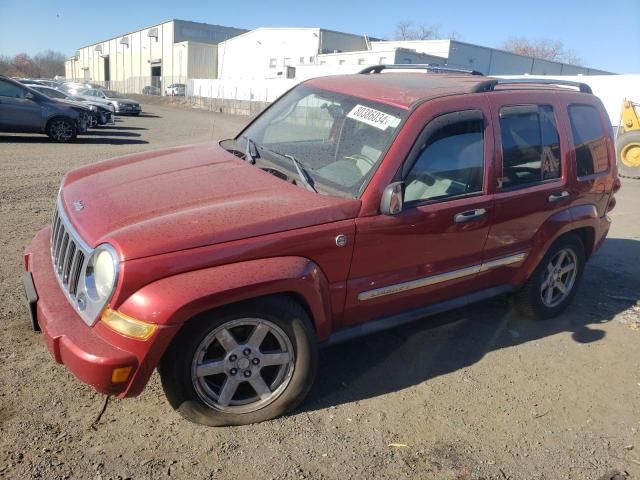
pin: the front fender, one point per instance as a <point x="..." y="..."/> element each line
<point x="173" y="300"/>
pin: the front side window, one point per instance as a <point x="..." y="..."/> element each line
<point x="589" y="139"/>
<point x="451" y="162"/>
<point x="338" y="139"/>
<point x="530" y="145"/>
<point x="8" y="89"/>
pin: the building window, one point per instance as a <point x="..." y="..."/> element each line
<point x="589" y="140"/>
<point x="361" y="61"/>
<point x="273" y="62"/>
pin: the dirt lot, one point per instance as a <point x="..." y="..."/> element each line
<point x="476" y="393"/>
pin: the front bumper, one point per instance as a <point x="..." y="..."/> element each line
<point x="128" y="109"/>
<point x="90" y="353"/>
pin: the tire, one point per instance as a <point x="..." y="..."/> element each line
<point x="61" y="130"/>
<point x="199" y="394"/>
<point x="93" y="120"/>
<point x="628" y="154"/>
<point x="529" y="300"/>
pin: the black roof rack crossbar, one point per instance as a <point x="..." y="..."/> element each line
<point x="429" y="67"/>
<point x="490" y="85"/>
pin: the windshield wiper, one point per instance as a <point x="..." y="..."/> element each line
<point x="305" y="178"/>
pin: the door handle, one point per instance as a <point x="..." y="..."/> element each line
<point x="556" y="197"/>
<point x="470" y="215"/>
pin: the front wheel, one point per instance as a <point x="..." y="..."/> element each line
<point x="61" y="130"/>
<point x="242" y="364"/>
<point x="554" y="283"/>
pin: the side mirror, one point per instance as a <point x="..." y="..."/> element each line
<point x="29" y="96"/>
<point x="392" y="199"/>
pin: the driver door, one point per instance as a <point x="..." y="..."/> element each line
<point x="431" y="251"/>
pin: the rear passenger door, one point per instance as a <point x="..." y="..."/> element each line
<point x="532" y="178"/>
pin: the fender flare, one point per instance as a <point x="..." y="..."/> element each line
<point x="174" y="300"/>
<point x="558" y="224"/>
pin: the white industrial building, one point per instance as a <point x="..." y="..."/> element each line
<point x="165" y="53"/>
<point x="179" y="51"/>
<point x="489" y="61"/>
<point x="268" y="52"/>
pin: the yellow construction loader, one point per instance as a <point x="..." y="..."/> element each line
<point x="628" y="140"/>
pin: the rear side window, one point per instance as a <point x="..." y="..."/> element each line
<point x="590" y="140"/>
<point x="10" y="90"/>
<point x="530" y="145"/>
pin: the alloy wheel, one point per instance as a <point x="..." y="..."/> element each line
<point x="61" y="130"/>
<point x="559" y="277"/>
<point x="243" y="365"/>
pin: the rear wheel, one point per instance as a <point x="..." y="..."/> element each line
<point x="243" y="364"/>
<point x="61" y="130"/>
<point x="553" y="284"/>
<point x="628" y="154"/>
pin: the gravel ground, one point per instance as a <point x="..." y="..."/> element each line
<point x="475" y="393"/>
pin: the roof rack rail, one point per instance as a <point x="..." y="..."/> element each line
<point x="490" y="85"/>
<point x="429" y="67"/>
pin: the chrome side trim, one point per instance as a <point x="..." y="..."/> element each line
<point x="503" y="262"/>
<point x="441" y="277"/>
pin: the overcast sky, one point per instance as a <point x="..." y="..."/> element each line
<point x="604" y="34"/>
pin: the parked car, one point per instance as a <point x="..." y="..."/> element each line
<point x="101" y="113"/>
<point x="76" y="87"/>
<point x="40" y="82"/>
<point x="353" y="204"/>
<point x="176" y="89"/>
<point x="151" y="90"/>
<point x="24" y="110"/>
<point x="120" y="102"/>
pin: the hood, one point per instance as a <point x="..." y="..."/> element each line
<point x="70" y="103"/>
<point x="186" y="197"/>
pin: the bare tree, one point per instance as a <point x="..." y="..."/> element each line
<point x="544" y="48"/>
<point x="44" y="64"/>
<point x="406" y="30"/>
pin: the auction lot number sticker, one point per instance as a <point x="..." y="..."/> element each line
<point x="373" y="117"/>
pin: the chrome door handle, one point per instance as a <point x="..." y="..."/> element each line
<point x="556" y="197"/>
<point x="470" y="215"/>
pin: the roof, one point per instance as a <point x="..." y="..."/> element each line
<point x="400" y="90"/>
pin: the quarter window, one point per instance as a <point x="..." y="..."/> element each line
<point x="530" y="145"/>
<point x="451" y="163"/>
<point x="589" y="140"/>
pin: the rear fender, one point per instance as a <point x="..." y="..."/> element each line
<point x="176" y="299"/>
<point x="560" y="223"/>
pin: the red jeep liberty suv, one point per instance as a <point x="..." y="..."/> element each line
<point x="352" y="204"/>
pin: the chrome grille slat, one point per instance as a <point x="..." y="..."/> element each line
<point x="62" y="252"/>
<point x="76" y="269"/>
<point x="68" y="254"/>
<point x="68" y="260"/>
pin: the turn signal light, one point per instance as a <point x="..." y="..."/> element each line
<point x="120" y="375"/>
<point x="128" y="326"/>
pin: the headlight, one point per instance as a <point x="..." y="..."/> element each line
<point x="101" y="273"/>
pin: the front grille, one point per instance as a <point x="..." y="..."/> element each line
<point x="67" y="253"/>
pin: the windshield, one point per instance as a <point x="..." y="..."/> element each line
<point x="113" y="94"/>
<point x="338" y="140"/>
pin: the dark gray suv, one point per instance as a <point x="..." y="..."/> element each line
<point x="24" y="110"/>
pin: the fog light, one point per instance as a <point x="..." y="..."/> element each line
<point x="120" y="375"/>
<point x="128" y="326"/>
